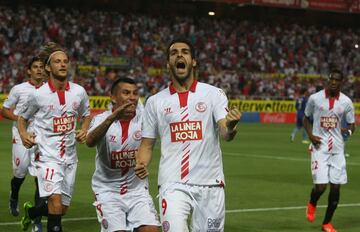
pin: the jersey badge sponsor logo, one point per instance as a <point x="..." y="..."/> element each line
<point x="328" y="122"/>
<point x="112" y="138"/>
<point x="186" y="131"/>
<point x="123" y="159"/>
<point x="105" y="224"/>
<point x="63" y="124"/>
<point x="137" y="135"/>
<point x="50" y="107"/>
<point x="201" y="107"/>
<point x="166" y="226"/>
<point x="48" y="187"/>
<point x="167" y="110"/>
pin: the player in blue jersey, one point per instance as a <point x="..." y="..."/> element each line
<point x="300" y="108"/>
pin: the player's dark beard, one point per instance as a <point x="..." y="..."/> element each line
<point x="179" y="79"/>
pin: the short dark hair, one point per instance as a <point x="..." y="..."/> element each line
<point x="181" y="40"/>
<point x="32" y="60"/>
<point x="337" y="71"/>
<point x="121" y="80"/>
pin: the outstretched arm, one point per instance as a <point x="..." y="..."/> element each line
<point x="143" y="157"/>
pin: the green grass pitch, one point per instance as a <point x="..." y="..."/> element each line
<point x="267" y="184"/>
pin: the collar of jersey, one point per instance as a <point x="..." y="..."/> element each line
<point x="327" y="94"/>
<point x="36" y="87"/>
<point x="192" y="87"/>
<point x="52" y="87"/>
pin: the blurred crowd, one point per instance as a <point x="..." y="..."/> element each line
<point x="258" y="60"/>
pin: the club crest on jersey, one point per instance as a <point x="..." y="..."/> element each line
<point x="201" y="107"/>
<point x="63" y="124"/>
<point x="328" y="122"/>
<point x="185" y="131"/>
<point x="137" y="135"/>
<point x="123" y="159"/>
<point x="75" y="105"/>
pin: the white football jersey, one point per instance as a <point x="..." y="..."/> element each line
<point x="187" y="126"/>
<point x="17" y="97"/>
<point x="115" y="156"/>
<point x="327" y="115"/>
<point x="55" y="117"/>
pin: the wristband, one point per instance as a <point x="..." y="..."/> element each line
<point x="350" y="132"/>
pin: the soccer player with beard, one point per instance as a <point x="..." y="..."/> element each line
<point x="328" y="166"/>
<point x="22" y="158"/>
<point x="188" y="116"/>
<point x="122" y="201"/>
<point x="55" y="106"/>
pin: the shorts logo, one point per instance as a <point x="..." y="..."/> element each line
<point x="105" y="223"/>
<point x="137" y="135"/>
<point x="48" y="187"/>
<point x="201" y="107"/>
<point x="328" y="122"/>
<point x="186" y="131"/>
<point x="63" y="124"/>
<point x="166" y="226"/>
<point x="213" y="224"/>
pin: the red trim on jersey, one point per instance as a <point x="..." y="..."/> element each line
<point x="192" y="87"/>
<point x="61" y="96"/>
<point x="61" y="93"/>
<point x="124" y="130"/>
<point x="53" y="89"/>
<point x="331" y="99"/>
<point x="36" y="87"/>
<point x="183" y="98"/>
<point x="331" y="103"/>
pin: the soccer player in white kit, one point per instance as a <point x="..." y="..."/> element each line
<point x="328" y="166"/>
<point x="188" y="116"/>
<point x="122" y="201"/>
<point x="56" y="106"/>
<point x="22" y="158"/>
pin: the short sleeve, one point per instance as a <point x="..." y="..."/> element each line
<point x="12" y="99"/>
<point x="149" y="122"/>
<point x="220" y="103"/>
<point x="30" y="107"/>
<point x="350" y="113"/>
<point x="84" y="108"/>
<point x="309" y="108"/>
